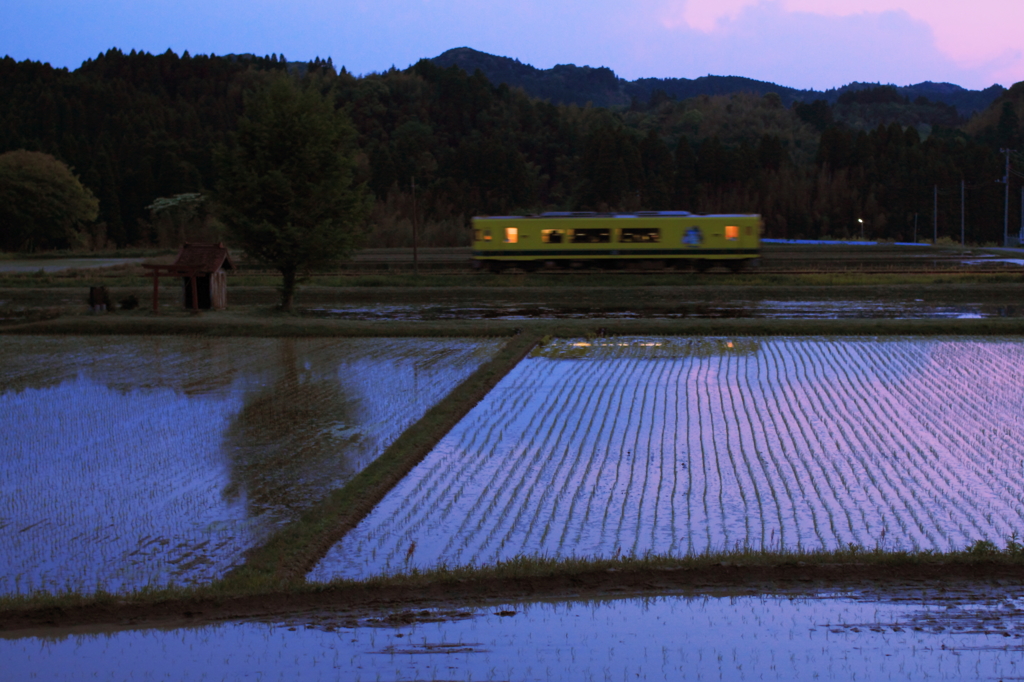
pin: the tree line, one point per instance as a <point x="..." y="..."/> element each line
<point x="139" y="127"/>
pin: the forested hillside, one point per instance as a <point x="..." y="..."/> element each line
<point x="571" y="84"/>
<point x="136" y="127"/>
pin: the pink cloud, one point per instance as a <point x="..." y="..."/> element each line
<point x="981" y="35"/>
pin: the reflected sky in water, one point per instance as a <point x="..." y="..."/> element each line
<point x="623" y="446"/>
<point x="149" y="460"/>
<point x="939" y="637"/>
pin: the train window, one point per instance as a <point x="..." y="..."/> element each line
<point x="732" y="232"/>
<point x="590" y="236"/>
<point x="511" y="235"/>
<point x="487" y="235"/>
<point x="551" y="236"/>
<point x="478" y="235"/>
<point x="640" y="234"/>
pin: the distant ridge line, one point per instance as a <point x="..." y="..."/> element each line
<point x="571" y="84"/>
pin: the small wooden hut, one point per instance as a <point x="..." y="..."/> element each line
<point x="203" y="271"/>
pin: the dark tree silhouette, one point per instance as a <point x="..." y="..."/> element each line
<point x="42" y="203"/>
<point x="286" y="192"/>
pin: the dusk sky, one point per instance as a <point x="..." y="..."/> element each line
<point x="798" y="43"/>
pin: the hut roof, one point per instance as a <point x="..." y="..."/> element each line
<point x="204" y="258"/>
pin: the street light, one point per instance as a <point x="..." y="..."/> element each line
<point x="861" y="221"/>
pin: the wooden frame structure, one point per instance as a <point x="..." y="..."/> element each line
<point x="194" y="264"/>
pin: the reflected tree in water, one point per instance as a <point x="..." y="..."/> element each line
<point x="295" y="438"/>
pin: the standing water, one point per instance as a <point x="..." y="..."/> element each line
<point x="853" y="637"/>
<point x="135" y="461"/>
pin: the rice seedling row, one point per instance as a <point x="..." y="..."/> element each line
<point x="685" y="446"/>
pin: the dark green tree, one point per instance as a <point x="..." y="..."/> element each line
<point x="771" y="154"/>
<point x="42" y="203"/>
<point x="1008" y="130"/>
<point x="818" y="113"/>
<point x="685" y="176"/>
<point x="658" y="173"/>
<point x="286" y="192"/>
<point x="611" y="166"/>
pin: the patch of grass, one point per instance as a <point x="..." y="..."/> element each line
<point x="743" y="568"/>
<point x="627" y="280"/>
<point x="271" y="324"/>
<point x="524" y="568"/>
<point x="536" y="281"/>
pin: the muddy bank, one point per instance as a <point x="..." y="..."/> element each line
<point x="269" y="324"/>
<point x="596" y="295"/>
<point x="413" y="592"/>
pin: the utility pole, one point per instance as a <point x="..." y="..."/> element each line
<point x="961" y="212"/>
<point x="1006" y="201"/>
<point x="415" y="236"/>
<point x="935" y="216"/>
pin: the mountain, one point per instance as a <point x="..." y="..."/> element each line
<point x="571" y="84"/>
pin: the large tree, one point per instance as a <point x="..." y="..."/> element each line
<point x="286" y="191"/>
<point x="42" y="203"/>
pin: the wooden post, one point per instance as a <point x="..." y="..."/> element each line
<point x="156" y="292"/>
<point x="195" y="294"/>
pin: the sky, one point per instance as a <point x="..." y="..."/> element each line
<point x="797" y="43"/>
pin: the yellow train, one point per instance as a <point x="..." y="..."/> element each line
<point x="657" y="238"/>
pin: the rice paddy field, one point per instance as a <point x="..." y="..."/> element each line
<point x="147" y="461"/>
<point x="680" y="446"/>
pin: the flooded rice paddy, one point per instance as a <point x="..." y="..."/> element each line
<point x="135" y="461"/>
<point x="828" y="637"/>
<point x="805" y="310"/>
<point x="676" y="446"/>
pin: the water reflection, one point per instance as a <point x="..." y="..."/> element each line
<point x="650" y="348"/>
<point x="295" y="436"/>
<point x="134" y="461"/>
<point x="788" y="637"/>
<point x="627" y="445"/>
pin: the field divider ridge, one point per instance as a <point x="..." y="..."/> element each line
<point x="296" y="548"/>
<point x="289" y="326"/>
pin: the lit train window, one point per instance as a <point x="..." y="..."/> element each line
<point x="640" y="234"/>
<point x="487" y="235"/>
<point x="478" y="235"/>
<point x="591" y="236"/>
<point x="732" y="232"/>
<point x="552" y="236"/>
<point x="511" y="235"/>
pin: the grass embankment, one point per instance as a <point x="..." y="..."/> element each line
<point x="519" y="579"/>
<point x="125" y="276"/>
<point x="280" y="325"/>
